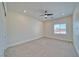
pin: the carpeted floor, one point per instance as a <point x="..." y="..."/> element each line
<point x="42" y="47"/>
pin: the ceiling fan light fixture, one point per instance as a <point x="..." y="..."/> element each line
<point x="45" y="16"/>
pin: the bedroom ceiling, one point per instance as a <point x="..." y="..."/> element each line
<point x="35" y="9"/>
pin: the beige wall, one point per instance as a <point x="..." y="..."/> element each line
<point x="22" y="28"/>
<point x="49" y="28"/>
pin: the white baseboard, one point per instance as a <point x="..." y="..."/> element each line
<point x="21" y="42"/>
<point x="58" y="39"/>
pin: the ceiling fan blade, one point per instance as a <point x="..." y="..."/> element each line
<point x="48" y="14"/>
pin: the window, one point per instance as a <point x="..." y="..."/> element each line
<point x="60" y="28"/>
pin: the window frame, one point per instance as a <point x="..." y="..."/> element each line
<point x="60" y="25"/>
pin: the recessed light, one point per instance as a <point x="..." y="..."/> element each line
<point x="24" y="11"/>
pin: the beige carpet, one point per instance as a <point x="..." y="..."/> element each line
<point x="42" y="47"/>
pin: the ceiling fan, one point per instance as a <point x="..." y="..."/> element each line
<point x="46" y="14"/>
